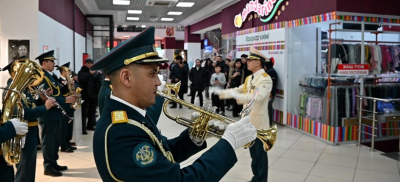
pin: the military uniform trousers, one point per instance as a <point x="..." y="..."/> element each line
<point x="51" y="136"/>
<point x="66" y="131"/>
<point x="259" y="162"/>
<point x="7" y="131"/>
<point x="26" y="168"/>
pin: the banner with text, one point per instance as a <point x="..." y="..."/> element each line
<point x="353" y="69"/>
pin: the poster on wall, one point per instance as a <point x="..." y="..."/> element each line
<point x="170" y="31"/>
<point x="45" y="48"/>
<point x="18" y="48"/>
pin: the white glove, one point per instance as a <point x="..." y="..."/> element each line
<point x="215" y="90"/>
<point x="161" y="87"/>
<point x="240" y="133"/>
<point x="216" y="124"/>
<point x="232" y="94"/>
<point x="21" y="128"/>
<point x="194" y="115"/>
<point x="23" y="142"/>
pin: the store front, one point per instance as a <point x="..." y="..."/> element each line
<point x="314" y="96"/>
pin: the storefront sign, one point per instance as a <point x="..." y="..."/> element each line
<point x="267" y="9"/>
<point x="258" y="37"/>
<point x="353" y="69"/>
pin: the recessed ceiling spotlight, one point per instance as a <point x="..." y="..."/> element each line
<point x="134" y="11"/>
<point x="132" y="18"/>
<point x="174" y="13"/>
<point x="121" y="2"/>
<point x="167" y="19"/>
<point x="185" y="4"/>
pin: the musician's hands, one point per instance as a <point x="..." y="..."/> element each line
<point x="21" y="128"/>
<point x="70" y="99"/>
<point x="215" y="90"/>
<point x="232" y="94"/>
<point x="240" y="133"/>
<point x="50" y="103"/>
<point x="49" y="91"/>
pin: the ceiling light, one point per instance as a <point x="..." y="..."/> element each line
<point x="127" y="36"/>
<point x="121" y="2"/>
<point x="167" y="19"/>
<point x="143" y="26"/>
<point x="174" y="13"/>
<point x="185" y="4"/>
<point x="132" y="18"/>
<point x="134" y="11"/>
<point x="153" y="18"/>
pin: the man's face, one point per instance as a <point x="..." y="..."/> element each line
<point x="22" y="51"/>
<point x="244" y="60"/>
<point x="198" y="63"/>
<point x="253" y="64"/>
<point x="75" y="78"/>
<point x="49" y="65"/>
<point x="179" y="61"/>
<point x="144" y="84"/>
<point x="88" y="64"/>
<point x="219" y="59"/>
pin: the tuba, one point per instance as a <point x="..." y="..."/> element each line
<point x="71" y="88"/>
<point x="200" y="127"/>
<point x="25" y="73"/>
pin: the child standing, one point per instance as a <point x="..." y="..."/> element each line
<point x="218" y="80"/>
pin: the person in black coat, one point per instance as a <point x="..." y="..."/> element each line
<point x="198" y="76"/>
<point x="244" y="65"/>
<point x="269" y="69"/>
<point x="179" y="73"/>
<point x="90" y="82"/>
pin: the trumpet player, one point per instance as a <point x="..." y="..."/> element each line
<point x="26" y="168"/>
<point x="259" y="118"/>
<point x="51" y="123"/>
<point x="127" y="144"/>
<point x="66" y="126"/>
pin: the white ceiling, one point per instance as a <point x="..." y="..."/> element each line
<point x="204" y="9"/>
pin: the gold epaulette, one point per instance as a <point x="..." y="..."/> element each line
<point x="265" y="75"/>
<point x="111" y="87"/>
<point x="119" y="117"/>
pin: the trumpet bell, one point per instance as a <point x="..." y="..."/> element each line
<point x="173" y="87"/>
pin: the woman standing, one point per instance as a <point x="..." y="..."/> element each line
<point x="236" y="76"/>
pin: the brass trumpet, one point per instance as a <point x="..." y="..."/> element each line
<point x="200" y="127"/>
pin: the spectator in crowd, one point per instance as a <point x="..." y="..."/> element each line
<point x="208" y="67"/>
<point x="179" y="73"/>
<point x="244" y="65"/>
<point x="198" y="76"/>
<point x="90" y="82"/>
<point x="236" y="76"/>
<point x="218" y="80"/>
<point x="269" y="69"/>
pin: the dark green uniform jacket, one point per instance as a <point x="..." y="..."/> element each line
<point x="127" y="144"/>
<point x="105" y="90"/>
<point x="53" y="114"/>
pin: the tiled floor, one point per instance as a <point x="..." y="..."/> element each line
<point x="295" y="157"/>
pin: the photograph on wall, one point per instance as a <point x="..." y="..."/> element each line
<point x="17" y="49"/>
<point x="170" y="31"/>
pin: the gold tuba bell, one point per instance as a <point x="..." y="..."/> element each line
<point x="200" y="126"/>
<point x="25" y="73"/>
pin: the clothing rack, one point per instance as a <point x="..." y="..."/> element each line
<point x="362" y="53"/>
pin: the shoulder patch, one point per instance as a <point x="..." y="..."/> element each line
<point x="265" y="75"/>
<point x="144" y="154"/>
<point x="119" y="117"/>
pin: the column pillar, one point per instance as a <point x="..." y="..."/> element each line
<point x="192" y="45"/>
<point x="169" y="46"/>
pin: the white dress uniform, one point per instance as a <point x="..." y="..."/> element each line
<point x="259" y="113"/>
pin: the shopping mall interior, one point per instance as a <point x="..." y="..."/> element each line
<point x="334" y="93"/>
